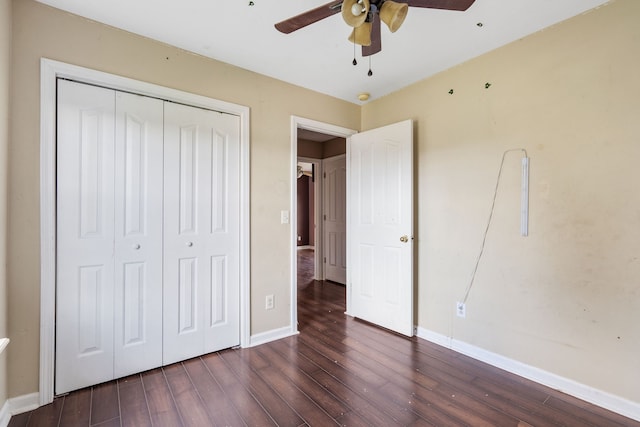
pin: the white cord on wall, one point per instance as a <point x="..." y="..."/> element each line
<point x="524" y="211"/>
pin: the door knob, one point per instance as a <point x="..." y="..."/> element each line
<point x="136" y="246"/>
<point x="189" y="244"/>
<point x="404" y="239"/>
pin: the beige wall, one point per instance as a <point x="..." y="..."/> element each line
<point x="322" y="150"/>
<point x="311" y="149"/>
<point x="334" y="147"/>
<point x="5" y="61"/>
<point x="40" y="31"/>
<point x="565" y="299"/>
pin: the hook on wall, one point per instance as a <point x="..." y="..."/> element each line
<point x="487" y="85"/>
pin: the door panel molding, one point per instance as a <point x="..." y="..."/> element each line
<point x="50" y="71"/>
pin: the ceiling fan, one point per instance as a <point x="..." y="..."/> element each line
<point x="365" y="16"/>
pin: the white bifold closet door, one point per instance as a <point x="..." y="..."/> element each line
<point x="147" y="234"/>
<point x="201" y="228"/>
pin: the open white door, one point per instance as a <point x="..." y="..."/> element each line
<point x="380" y="226"/>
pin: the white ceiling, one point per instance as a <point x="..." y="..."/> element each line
<point x="319" y="56"/>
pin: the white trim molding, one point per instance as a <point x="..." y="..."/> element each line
<point x="589" y="394"/>
<point x="24" y="403"/>
<point x="272" y="335"/>
<point x="50" y="71"/>
<point x="5" y="414"/>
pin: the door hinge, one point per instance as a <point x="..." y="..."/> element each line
<point x="325" y="217"/>
<point x="325" y="175"/>
<point x="325" y="260"/>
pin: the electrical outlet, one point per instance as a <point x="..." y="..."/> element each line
<point x="461" y="309"/>
<point x="269" y="302"/>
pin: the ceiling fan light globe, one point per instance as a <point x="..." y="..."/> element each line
<point x="349" y="9"/>
<point x="393" y="14"/>
<point x="361" y="35"/>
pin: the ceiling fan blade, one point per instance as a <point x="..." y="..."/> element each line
<point x="376" y="38"/>
<point x="441" y="4"/>
<point x="309" y="17"/>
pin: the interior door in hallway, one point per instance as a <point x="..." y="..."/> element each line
<point x="201" y="232"/>
<point x="335" y="219"/>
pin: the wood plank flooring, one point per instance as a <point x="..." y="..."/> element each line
<point x="306" y="267"/>
<point x="337" y="371"/>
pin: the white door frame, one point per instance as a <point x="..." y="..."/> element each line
<point x="328" y="129"/>
<point x="51" y="70"/>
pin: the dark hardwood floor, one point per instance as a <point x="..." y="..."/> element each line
<point x="306" y="267"/>
<point x="337" y="371"/>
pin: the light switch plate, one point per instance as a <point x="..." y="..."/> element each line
<point x="284" y="217"/>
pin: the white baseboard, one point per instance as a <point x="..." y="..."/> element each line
<point x="24" y="403"/>
<point x="268" y="336"/>
<point x="581" y="391"/>
<point x="5" y="414"/>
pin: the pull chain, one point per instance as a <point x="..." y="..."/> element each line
<point x="370" y="73"/>
<point x="354" y="53"/>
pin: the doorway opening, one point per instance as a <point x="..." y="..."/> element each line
<point x="313" y="144"/>
<point x="308" y="216"/>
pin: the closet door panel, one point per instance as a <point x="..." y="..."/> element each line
<point x="138" y="233"/>
<point x="183" y="187"/>
<point x="223" y="234"/>
<point x="201" y="232"/>
<point x="85" y="236"/>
